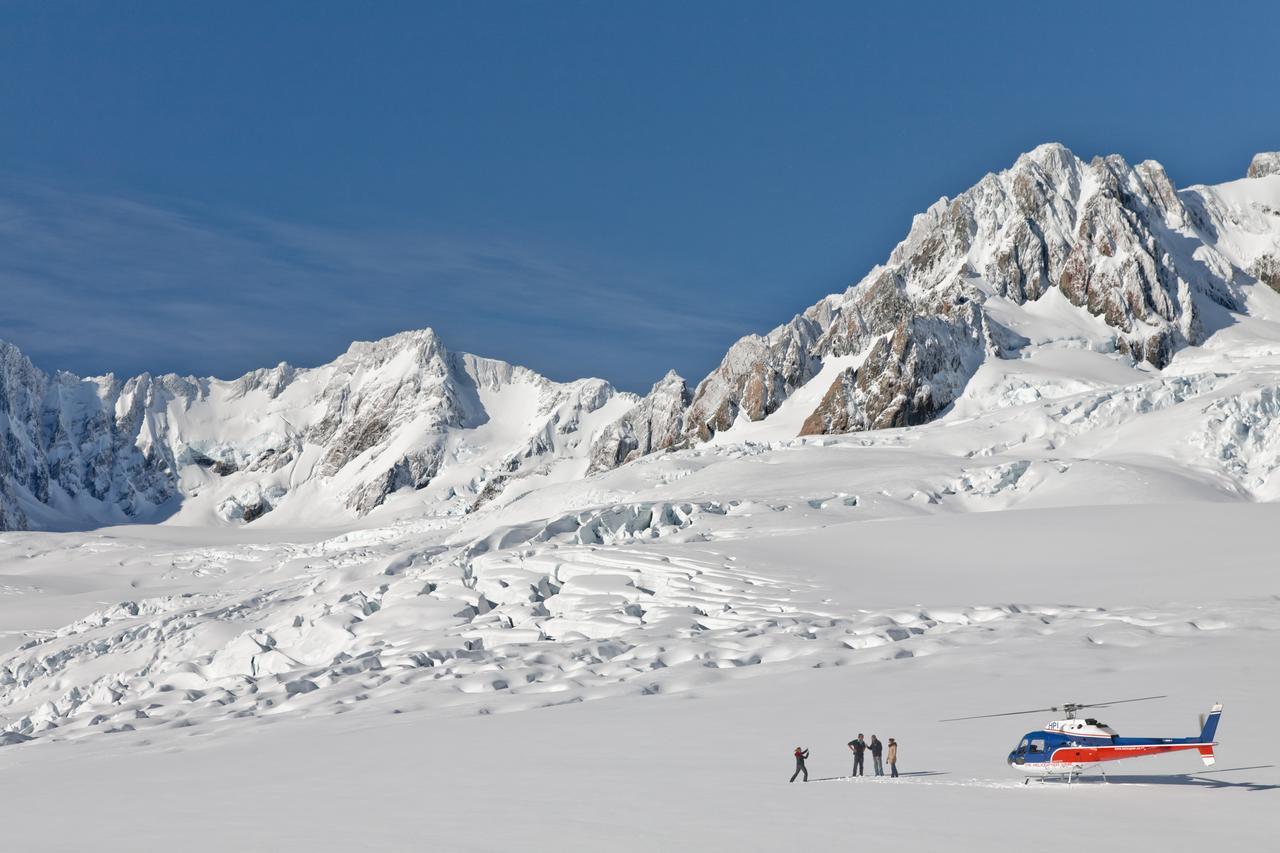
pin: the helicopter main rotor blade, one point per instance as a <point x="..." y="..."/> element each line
<point x="1117" y="702"/>
<point x="1067" y="706"/>
<point x="1005" y="714"/>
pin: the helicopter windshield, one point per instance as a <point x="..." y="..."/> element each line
<point x="1032" y="746"/>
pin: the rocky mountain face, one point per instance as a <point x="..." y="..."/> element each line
<point x="83" y="438"/>
<point x="1264" y="265"/>
<point x="655" y="423"/>
<point x="1118" y="241"/>
<point x="384" y="416"/>
<point x="908" y="375"/>
<point x="1264" y="164"/>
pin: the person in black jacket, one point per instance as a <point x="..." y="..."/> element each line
<point x="801" y="755"/>
<point x="857" y="746"/>
<point x="876" y="748"/>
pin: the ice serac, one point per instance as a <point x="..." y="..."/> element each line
<point x="385" y="416"/>
<point x="655" y="423"/>
<point x="1263" y="164"/>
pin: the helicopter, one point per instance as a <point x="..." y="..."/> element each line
<point x="1064" y="747"/>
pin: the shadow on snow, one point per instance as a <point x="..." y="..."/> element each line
<point x="1191" y="779"/>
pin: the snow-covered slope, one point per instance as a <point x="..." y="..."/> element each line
<point x="329" y="443"/>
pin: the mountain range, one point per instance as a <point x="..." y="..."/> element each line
<point x="1051" y="253"/>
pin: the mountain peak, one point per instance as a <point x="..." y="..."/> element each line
<point x="1107" y="235"/>
<point x="425" y="345"/>
<point x="384" y="416"/>
<point x="671" y="378"/>
<point x="1263" y="164"/>
<point x="1052" y="156"/>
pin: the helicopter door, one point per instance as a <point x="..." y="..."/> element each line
<point x="1036" y="749"/>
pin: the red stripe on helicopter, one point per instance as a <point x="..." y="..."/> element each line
<point x="1091" y="754"/>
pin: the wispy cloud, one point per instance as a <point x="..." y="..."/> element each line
<point x="92" y="283"/>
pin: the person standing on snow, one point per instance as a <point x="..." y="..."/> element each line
<point x="801" y="755"/>
<point x="857" y="746"/>
<point x="876" y="748"/>
<point x="892" y="758"/>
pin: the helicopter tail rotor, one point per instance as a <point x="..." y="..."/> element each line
<point x="1209" y="728"/>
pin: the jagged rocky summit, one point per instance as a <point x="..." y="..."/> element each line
<point x="1157" y="265"/>
<point x="1264" y="164"/>
<point x="655" y="423"/>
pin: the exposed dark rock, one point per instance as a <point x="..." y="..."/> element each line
<point x="413" y="470"/>
<point x="908" y="377"/>
<point x="756" y="375"/>
<point x="1266" y="269"/>
<point x="255" y="510"/>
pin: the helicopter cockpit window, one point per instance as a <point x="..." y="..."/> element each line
<point x="1036" y="746"/>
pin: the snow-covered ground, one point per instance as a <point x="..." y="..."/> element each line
<point x="677" y="732"/>
<point x="627" y="661"/>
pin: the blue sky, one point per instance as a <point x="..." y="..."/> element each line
<point x="607" y="189"/>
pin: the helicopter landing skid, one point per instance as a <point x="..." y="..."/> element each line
<point x="1070" y="776"/>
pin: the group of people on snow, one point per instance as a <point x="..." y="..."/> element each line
<point x="879" y="754"/>
<point x="859" y="747"/>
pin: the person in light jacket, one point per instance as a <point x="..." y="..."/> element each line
<point x="891" y="755"/>
<point x="801" y="755"/>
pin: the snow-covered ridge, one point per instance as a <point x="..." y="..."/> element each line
<point x="1051" y="254"/>
<point x="1160" y="270"/>
<point x="328" y="442"/>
